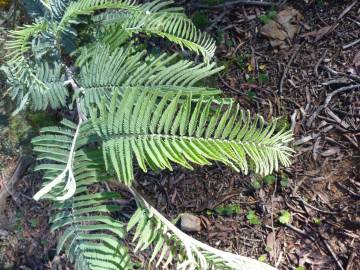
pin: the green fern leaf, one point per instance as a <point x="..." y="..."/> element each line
<point x="155" y="18"/>
<point x="104" y="72"/>
<point x="161" y="141"/>
<point x="91" y="238"/>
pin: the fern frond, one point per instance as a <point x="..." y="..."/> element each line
<point x="49" y="92"/>
<point x="169" y="244"/>
<point x="103" y="72"/>
<point x="17" y="44"/>
<point x="19" y="40"/>
<point x="60" y="147"/>
<point x="91" y="238"/>
<point x="156" y="18"/>
<point x="58" y="7"/>
<point x="160" y="130"/>
<point x="87" y="7"/>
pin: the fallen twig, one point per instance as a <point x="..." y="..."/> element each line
<point x="230" y="87"/>
<point x="351" y="259"/>
<point x="315" y="208"/>
<point x="312" y="136"/>
<point x="333" y="254"/>
<point x="346" y="10"/>
<point x="316" y="68"/>
<point x="307" y="235"/>
<point x="337" y="118"/>
<point x="337" y="81"/>
<point x="293" y="120"/>
<point x="348" y="190"/>
<point x="347" y="46"/>
<point x="327" y="101"/>
<point x="283" y="77"/>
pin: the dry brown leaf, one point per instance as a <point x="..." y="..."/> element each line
<point x="289" y="19"/>
<point x="318" y="33"/>
<point x="322" y="32"/>
<point x="283" y="28"/>
<point x="273" y="30"/>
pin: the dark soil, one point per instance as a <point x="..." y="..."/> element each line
<point x="321" y="189"/>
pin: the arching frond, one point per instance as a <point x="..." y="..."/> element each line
<point x="170" y="245"/>
<point x="158" y="131"/>
<point x="50" y="92"/>
<point x="87" y="7"/>
<point x="156" y="18"/>
<point x="91" y="238"/>
<point x="103" y="72"/>
<point x="58" y="7"/>
<point x="17" y="65"/>
<point x="19" y="40"/>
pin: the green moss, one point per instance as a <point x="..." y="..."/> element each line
<point x="201" y="19"/>
<point x="41" y="119"/>
<point x="270" y="15"/>
<point x="263" y="78"/>
<point x="228" y="210"/>
<point x="241" y="60"/>
<point x="18" y="129"/>
<point x="282" y="123"/>
<point x="320" y="3"/>
<point x="220" y="37"/>
<point x="252" y="218"/>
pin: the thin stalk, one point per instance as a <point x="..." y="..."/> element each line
<point x="193" y="246"/>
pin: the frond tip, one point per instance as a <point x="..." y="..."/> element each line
<point x="157" y="18"/>
<point x="171" y="244"/>
<point x="158" y="130"/>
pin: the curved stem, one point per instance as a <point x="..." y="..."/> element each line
<point x="191" y="245"/>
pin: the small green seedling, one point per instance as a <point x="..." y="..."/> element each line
<point x="262" y="258"/>
<point x="263" y="78"/>
<point x="268" y="16"/>
<point x="253" y="218"/>
<point x="319" y="3"/>
<point x="228" y="210"/>
<point x="284" y="182"/>
<point x="285" y="217"/>
<point x="300" y="268"/>
<point x="33" y="223"/>
<point x="269" y="179"/>
<point x="256" y="184"/>
<point x="251" y="95"/>
<point x="317" y="220"/>
<point x="282" y="123"/>
<point x="241" y="60"/>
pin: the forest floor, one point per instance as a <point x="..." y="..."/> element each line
<point x="307" y="216"/>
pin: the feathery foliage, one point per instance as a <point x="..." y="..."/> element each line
<point x="128" y="106"/>
<point x="91" y="237"/>
<point x="155" y="18"/>
<point x="158" y="131"/>
<point x="51" y="93"/>
<point x="104" y="72"/>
